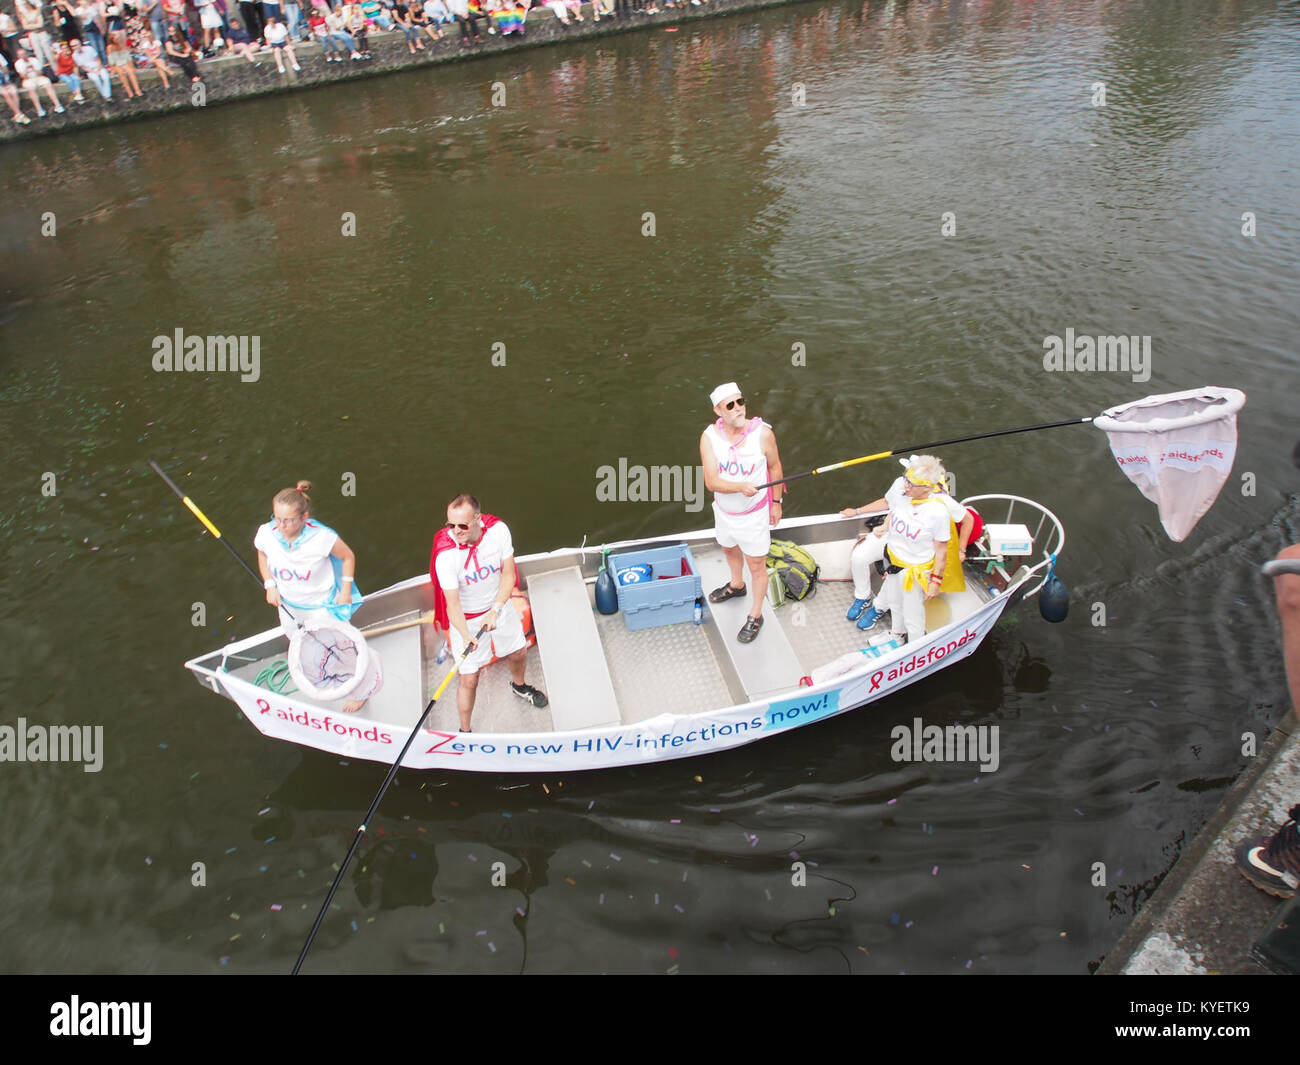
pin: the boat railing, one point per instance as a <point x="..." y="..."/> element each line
<point x="1037" y="572"/>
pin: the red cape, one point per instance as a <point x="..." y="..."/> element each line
<point x="442" y="542"/>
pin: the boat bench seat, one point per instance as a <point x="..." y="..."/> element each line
<point x="578" y="684"/>
<point x="768" y="665"/>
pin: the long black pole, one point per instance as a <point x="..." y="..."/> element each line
<point x="365" y="821"/>
<point x="206" y="522"/>
<point x="924" y="447"/>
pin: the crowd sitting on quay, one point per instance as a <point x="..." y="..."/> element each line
<point x="49" y="45"/>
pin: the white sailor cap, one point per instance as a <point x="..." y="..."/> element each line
<point x="724" y="392"/>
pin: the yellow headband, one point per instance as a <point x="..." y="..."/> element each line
<point x="914" y="479"/>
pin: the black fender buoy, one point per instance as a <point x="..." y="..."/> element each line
<point x="1054" y="600"/>
<point x="606" y="593"/>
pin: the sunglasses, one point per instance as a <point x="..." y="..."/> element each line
<point x="731" y="404"/>
<point x="458" y="525"/>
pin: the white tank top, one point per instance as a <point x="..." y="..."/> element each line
<point x="742" y="461"/>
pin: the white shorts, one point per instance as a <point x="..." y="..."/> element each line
<point x="505" y="639"/>
<point x="752" y="533"/>
<point x="210" y="18"/>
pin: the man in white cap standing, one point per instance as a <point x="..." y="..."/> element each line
<point x="739" y="453"/>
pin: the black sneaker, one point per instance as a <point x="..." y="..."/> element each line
<point x="527" y="691"/>
<point x="1273" y="864"/>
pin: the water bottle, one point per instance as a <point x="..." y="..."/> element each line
<point x="699" y="610"/>
<point x="606" y="593"/>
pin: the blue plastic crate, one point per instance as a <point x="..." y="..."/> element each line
<point x="655" y="602"/>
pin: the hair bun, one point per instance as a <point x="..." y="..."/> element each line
<point x="303" y="486"/>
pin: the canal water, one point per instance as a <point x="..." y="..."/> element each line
<point x="871" y="215"/>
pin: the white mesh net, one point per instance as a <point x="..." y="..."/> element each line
<point x="1177" y="448"/>
<point x="332" y="661"/>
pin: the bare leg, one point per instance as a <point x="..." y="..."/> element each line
<point x="758" y="583"/>
<point x="10" y="95"/>
<point x="466" y="692"/>
<point x="735" y="560"/>
<point x="517" y="660"/>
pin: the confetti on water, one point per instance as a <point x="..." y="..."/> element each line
<point x="678" y="908"/>
<point x="231" y="850"/>
<point x="909" y="924"/>
<point x="934" y="871"/>
<point x="163" y="746"/>
<point x="471" y="857"/>
<point x="261" y="812"/>
<point x="894" y="918"/>
<point x="276" y="906"/>
<point x="148" y="861"/>
<point x="674" y="820"/>
<point x="615" y="856"/>
<point x="492" y="946"/>
<point x="1067" y="728"/>
<point x="968" y="963"/>
<point x="271" y="840"/>
<point x="656" y="898"/>
<point x="591" y="804"/>
<point x="1153" y="703"/>
<point x="354" y="926"/>
<point x="1078" y="811"/>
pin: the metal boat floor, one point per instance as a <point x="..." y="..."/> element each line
<point x="496" y="708"/>
<point x="670" y="669"/>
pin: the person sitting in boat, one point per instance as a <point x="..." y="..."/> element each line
<point x="870" y="547"/>
<point x="919" y="550"/>
<point x="306" y="568"/>
<point x="473" y="573"/>
<point x="738" y="454"/>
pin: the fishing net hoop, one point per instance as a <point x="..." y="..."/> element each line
<point x="1178" y="449"/>
<point x="331" y="661"/>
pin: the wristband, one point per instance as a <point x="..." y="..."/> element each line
<point x="268" y="584"/>
<point x="347" y="580"/>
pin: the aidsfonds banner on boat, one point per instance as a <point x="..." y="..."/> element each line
<point x="657" y="739"/>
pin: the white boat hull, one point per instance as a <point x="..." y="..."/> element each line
<point x="656" y="738"/>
